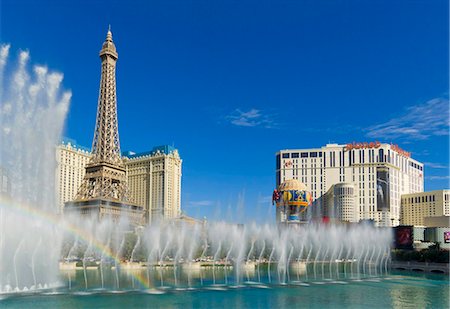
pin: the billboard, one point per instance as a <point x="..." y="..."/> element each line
<point x="404" y="236"/>
<point x="383" y="189"/>
<point x="447" y="237"/>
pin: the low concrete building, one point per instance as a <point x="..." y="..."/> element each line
<point x="439" y="235"/>
<point x="437" y="221"/>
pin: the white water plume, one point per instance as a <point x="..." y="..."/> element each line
<point x="33" y="108"/>
<point x="32" y="112"/>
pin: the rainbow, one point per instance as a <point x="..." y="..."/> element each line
<point x="23" y="209"/>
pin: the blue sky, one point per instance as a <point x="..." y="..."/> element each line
<point x="229" y="83"/>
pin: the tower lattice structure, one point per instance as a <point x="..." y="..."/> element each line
<point x="105" y="176"/>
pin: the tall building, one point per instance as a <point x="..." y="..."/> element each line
<point x="339" y="202"/>
<point x="417" y="206"/>
<point x="379" y="173"/>
<point x="154" y="179"/>
<point x="104" y="189"/>
<point x="71" y="163"/>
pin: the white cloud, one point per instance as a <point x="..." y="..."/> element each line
<point x="435" y="165"/>
<point x="418" y="123"/>
<point x="437" y="177"/>
<point x="252" y="118"/>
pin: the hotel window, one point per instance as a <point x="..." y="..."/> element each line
<point x="304" y="154"/>
<point x="313" y="154"/>
<point x="285" y="155"/>
<point x="295" y="155"/>
<point x="381" y="155"/>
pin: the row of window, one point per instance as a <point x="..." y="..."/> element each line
<point x="420" y="199"/>
<point x="390" y="157"/>
<point x="416" y="166"/>
<point x="312" y="154"/>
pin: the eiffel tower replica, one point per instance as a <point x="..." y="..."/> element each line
<point x="104" y="190"/>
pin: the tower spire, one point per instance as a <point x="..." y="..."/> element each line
<point x="108" y="47"/>
<point x="104" y="188"/>
<point x="105" y="173"/>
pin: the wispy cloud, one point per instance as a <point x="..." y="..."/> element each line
<point x="435" y="165"/>
<point x="252" y="118"/>
<point x="201" y="203"/>
<point x="437" y="177"/>
<point x="418" y="123"/>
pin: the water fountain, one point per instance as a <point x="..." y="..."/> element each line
<point x="33" y="109"/>
<point x="32" y="113"/>
<point x="40" y="250"/>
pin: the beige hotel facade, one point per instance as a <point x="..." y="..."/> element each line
<point x="418" y="206"/>
<point x="154" y="181"/>
<point x="71" y="160"/>
<point x="354" y="181"/>
<point x="154" y="178"/>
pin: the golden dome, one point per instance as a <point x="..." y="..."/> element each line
<point x="292" y="184"/>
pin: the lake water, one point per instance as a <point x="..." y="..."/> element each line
<point x="140" y="289"/>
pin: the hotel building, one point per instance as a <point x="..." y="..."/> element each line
<point x="154" y="177"/>
<point x="71" y="166"/>
<point x="372" y="176"/>
<point x="418" y="206"/>
<point x="339" y="202"/>
<point x="154" y="181"/>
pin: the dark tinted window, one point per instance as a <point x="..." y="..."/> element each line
<point x="285" y="155"/>
<point x="304" y="154"/>
<point x="295" y="155"/>
<point x="313" y="154"/>
<point x="381" y="155"/>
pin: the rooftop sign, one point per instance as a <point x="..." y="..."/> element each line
<point x="400" y="151"/>
<point x="376" y="144"/>
<point x="362" y="145"/>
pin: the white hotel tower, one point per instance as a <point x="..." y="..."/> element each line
<point x="353" y="182"/>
